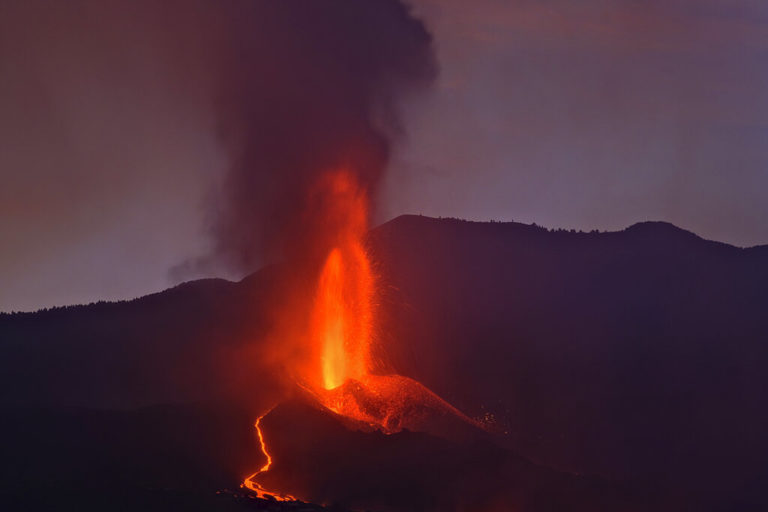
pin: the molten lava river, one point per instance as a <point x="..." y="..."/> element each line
<point x="341" y="376"/>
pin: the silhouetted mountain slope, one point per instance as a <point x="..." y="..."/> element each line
<point x="637" y="354"/>
<point x="179" y="345"/>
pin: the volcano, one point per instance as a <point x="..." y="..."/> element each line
<point x="335" y="366"/>
<point x="625" y="364"/>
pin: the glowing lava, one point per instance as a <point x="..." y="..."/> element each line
<point x="342" y="316"/>
<point x="340" y="374"/>
<point x="254" y="486"/>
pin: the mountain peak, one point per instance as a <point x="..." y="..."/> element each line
<point x="658" y="226"/>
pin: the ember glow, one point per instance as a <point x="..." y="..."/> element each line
<point x="340" y="375"/>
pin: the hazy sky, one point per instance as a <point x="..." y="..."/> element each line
<point x="589" y="114"/>
<point x="594" y="114"/>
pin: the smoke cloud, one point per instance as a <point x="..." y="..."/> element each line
<point x="305" y="88"/>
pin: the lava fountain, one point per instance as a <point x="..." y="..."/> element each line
<point x="342" y="316"/>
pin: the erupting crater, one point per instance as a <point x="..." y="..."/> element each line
<point x="340" y="376"/>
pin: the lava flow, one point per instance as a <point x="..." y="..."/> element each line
<point x="340" y="376"/>
<point x="254" y="486"/>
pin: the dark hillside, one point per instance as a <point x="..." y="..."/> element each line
<point x="637" y="355"/>
<point x="634" y="354"/>
<point x="175" y="346"/>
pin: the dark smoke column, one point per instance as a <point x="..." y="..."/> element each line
<point x="307" y="87"/>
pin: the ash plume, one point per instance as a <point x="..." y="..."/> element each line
<point x="109" y="105"/>
<point x="307" y="87"/>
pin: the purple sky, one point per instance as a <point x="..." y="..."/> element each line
<point x="589" y="114"/>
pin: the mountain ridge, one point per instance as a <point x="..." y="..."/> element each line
<point x="654" y="228"/>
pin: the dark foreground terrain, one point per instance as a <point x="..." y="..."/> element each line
<point x="635" y="357"/>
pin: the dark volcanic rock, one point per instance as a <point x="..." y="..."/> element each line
<point x="317" y="457"/>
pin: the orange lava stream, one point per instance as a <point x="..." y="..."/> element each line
<point x="256" y="487"/>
